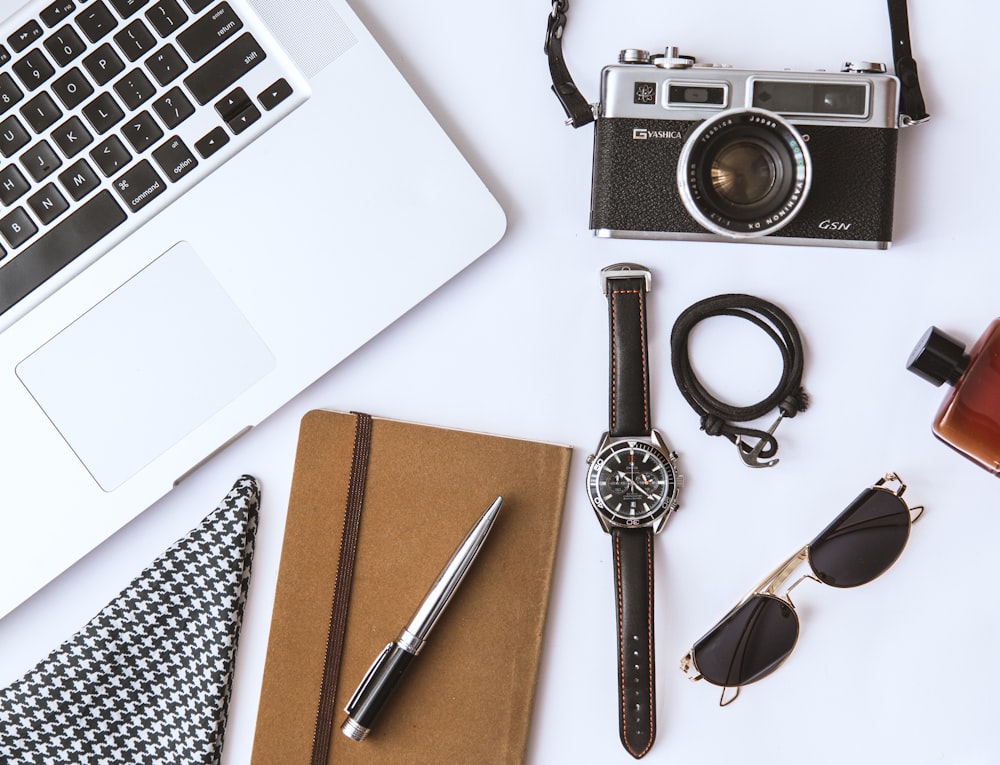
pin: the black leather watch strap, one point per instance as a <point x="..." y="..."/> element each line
<point x="633" y="553"/>
<point x="626" y="287"/>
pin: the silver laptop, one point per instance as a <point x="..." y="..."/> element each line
<point x="205" y="206"/>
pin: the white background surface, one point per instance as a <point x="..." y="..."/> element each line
<point x="901" y="670"/>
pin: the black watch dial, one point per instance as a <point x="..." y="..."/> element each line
<point x="632" y="483"/>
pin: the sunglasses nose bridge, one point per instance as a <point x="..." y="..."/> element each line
<point x="780" y="575"/>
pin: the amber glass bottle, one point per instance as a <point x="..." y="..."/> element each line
<point x="969" y="417"/>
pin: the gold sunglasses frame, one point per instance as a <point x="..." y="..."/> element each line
<point x="769" y="586"/>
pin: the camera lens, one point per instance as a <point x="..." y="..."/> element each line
<point x="744" y="173"/>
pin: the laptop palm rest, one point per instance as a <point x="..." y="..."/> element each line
<point x="146" y="366"/>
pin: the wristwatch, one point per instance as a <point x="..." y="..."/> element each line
<point x="632" y="482"/>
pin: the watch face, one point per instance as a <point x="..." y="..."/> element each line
<point x="632" y="483"/>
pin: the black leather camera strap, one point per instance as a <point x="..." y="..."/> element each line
<point x="911" y="100"/>
<point x="580" y="112"/>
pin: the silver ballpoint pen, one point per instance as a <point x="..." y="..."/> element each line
<point x="378" y="683"/>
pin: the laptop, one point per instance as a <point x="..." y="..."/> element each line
<point x="206" y="205"/>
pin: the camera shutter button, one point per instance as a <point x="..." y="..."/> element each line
<point x="672" y="59"/>
<point x="864" y="67"/>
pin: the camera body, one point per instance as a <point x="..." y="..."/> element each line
<point x="705" y="152"/>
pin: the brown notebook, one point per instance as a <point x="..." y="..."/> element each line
<point x="467" y="697"/>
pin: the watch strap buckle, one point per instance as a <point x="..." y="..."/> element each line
<point x="625" y="271"/>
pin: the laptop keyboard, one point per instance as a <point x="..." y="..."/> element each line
<point x="110" y="110"/>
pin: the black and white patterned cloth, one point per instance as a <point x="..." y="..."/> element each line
<point x="148" y="679"/>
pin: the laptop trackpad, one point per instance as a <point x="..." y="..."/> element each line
<point x="146" y="366"/>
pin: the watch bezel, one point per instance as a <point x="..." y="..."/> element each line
<point x="658" y="516"/>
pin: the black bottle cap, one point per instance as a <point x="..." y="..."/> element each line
<point x="938" y="358"/>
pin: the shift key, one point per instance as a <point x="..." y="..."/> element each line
<point x="225" y="68"/>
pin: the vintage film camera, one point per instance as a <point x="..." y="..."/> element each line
<point x="693" y="151"/>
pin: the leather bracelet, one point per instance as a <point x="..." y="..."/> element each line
<point x="717" y="417"/>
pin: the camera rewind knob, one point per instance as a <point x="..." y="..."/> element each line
<point x="633" y="56"/>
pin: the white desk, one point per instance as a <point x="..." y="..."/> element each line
<point x="901" y="670"/>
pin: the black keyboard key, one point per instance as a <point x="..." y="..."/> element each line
<point x="34" y="69"/>
<point x="175" y="159"/>
<point x="232" y="104"/>
<point x="96" y="21"/>
<point x="141" y="131"/>
<point x="111" y="155"/>
<point x="40" y="161"/>
<point x="135" y="40"/>
<point x="24" y="36"/>
<point x="57" y="12"/>
<point x="244" y="119"/>
<point x="13" y="136"/>
<point x="41" y="112"/>
<point x="58" y="247"/>
<point x="208" y="33"/>
<point x="17" y="228"/>
<point x="72" y="137"/>
<point x="4" y="55"/>
<point x="126" y="8"/>
<point x="225" y="68"/>
<point x="173" y="107"/>
<point x="103" y="113"/>
<point x="139" y="186"/>
<point x="197" y="6"/>
<point x="73" y="88"/>
<point x="211" y="143"/>
<point x="103" y="64"/>
<point x="166" y="65"/>
<point x="65" y="45"/>
<point x="13" y="185"/>
<point x="166" y="17"/>
<point x="275" y="94"/>
<point x="10" y="93"/>
<point x="79" y="179"/>
<point x="47" y="203"/>
<point x="135" y="89"/>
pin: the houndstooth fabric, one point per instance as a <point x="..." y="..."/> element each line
<point x="148" y="679"/>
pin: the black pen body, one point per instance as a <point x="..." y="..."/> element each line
<point x="375" y="690"/>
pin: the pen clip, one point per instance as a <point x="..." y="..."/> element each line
<point x="352" y="704"/>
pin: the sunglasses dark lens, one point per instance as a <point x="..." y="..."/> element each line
<point x="863" y="541"/>
<point x="748" y="644"/>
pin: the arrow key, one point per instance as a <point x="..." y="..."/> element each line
<point x="244" y="119"/>
<point x="212" y="142"/>
<point x="275" y="94"/>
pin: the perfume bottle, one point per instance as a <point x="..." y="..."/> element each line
<point x="969" y="417"/>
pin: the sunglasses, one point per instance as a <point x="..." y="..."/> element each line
<point x="753" y="639"/>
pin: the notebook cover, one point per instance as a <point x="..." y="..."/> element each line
<point x="468" y="695"/>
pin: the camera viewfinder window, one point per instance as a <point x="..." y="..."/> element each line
<point x="829" y="99"/>
<point x="696" y="95"/>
